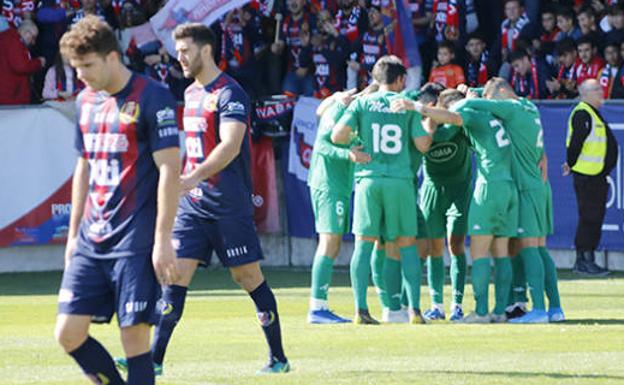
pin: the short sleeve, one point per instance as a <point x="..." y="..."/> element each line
<point x="233" y="105"/>
<point x="416" y="128"/>
<point x="160" y="118"/>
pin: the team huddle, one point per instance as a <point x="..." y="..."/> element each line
<point x="378" y="140"/>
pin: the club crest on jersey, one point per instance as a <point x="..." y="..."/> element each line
<point x="210" y="102"/>
<point x="129" y="112"/>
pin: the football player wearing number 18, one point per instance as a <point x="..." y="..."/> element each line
<point x="493" y="212"/>
<point x="385" y="201"/>
<point x="521" y="118"/>
<point x="331" y="181"/>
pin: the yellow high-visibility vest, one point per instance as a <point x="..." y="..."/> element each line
<point x="594" y="150"/>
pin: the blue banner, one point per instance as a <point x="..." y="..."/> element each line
<point x="555" y="123"/>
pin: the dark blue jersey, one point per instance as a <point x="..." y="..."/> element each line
<point x="228" y="193"/>
<point x="117" y="134"/>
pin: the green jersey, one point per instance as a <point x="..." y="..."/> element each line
<point x="522" y="120"/>
<point x="448" y="159"/>
<point x="386" y="136"/>
<point x="489" y="139"/>
<point x="330" y="167"/>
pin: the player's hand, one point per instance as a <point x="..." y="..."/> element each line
<point x="277" y="47"/>
<point x="345" y="97"/>
<point x="356" y="155"/>
<point x="164" y="262"/>
<point x="42" y="60"/>
<point x="355" y="66"/>
<point x="70" y="247"/>
<point x="399" y="105"/>
<point x="187" y="183"/>
<point x="565" y="169"/>
<point x="463" y="88"/>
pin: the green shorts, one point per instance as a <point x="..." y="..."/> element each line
<point x="421" y="228"/>
<point x="445" y="208"/>
<point x="533" y="220"/>
<point x="494" y="209"/>
<point x="550" y="222"/>
<point x="331" y="211"/>
<point x="384" y="207"/>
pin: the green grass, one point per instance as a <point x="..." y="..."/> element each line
<point x="219" y="341"/>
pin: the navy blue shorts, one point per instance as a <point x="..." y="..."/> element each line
<point x="234" y="240"/>
<point x="102" y="287"/>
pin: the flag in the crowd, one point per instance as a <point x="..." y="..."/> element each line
<point x="177" y="12"/>
<point x="265" y="7"/>
<point x="266" y="213"/>
<point x="401" y="33"/>
<point x="144" y="38"/>
<point x="302" y="136"/>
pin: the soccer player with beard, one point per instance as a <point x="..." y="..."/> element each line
<point x="215" y="211"/>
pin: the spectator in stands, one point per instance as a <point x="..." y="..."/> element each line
<point x="512" y="27"/>
<point x="616" y="24"/>
<point x="330" y="51"/>
<point x="447" y="73"/>
<point x="298" y="79"/>
<point x="609" y="72"/>
<point x="550" y="31"/>
<point x="565" y="23"/>
<point x="60" y="81"/>
<point x="617" y="86"/>
<point x="528" y="77"/>
<point x="51" y="19"/>
<point x="374" y="44"/>
<point x="586" y="18"/>
<point x="351" y="22"/>
<point x="89" y="7"/>
<point x="16" y="11"/>
<point x="16" y="64"/>
<point x="590" y="62"/>
<point x="564" y="86"/>
<point x="478" y="68"/>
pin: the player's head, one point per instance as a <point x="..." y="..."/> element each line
<point x="566" y="51"/>
<point x="92" y="49"/>
<point x="194" y="43"/>
<point x="520" y="61"/>
<point x="498" y="88"/>
<point x="591" y="92"/>
<point x="390" y="72"/>
<point x="449" y="96"/>
<point x="428" y="93"/>
<point x="446" y="52"/>
<point x="585" y="48"/>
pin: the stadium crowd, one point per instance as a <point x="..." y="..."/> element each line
<point x="545" y="49"/>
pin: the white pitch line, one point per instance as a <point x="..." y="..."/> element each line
<point x="616" y="126"/>
<point x="610" y="227"/>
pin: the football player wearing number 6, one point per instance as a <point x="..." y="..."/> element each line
<point x="385" y="201"/>
<point x="522" y="120"/>
<point x="493" y="213"/>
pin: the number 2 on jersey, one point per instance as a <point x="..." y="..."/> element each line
<point x="387" y="138"/>
<point x="501" y="137"/>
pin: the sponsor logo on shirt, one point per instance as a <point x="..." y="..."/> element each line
<point x="377" y="106"/>
<point x="442" y="152"/>
<point x="194" y="124"/>
<point x="165" y="117"/>
<point x="235" y="107"/>
<point x="129" y="112"/>
<point x="105" y="142"/>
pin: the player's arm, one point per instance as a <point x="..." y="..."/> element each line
<point x="232" y="134"/>
<point x="421" y="138"/>
<point x="168" y="163"/>
<point x="502" y="109"/>
<point x="348" y="123"/>
<point x="440" y="115"/>
<point x="80" y="187"/>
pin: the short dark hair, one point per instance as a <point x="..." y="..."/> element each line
<point x="388" y="69"/>
<point x="566" y="12"/>
<point x="199" y="33"/>
<point x="448" y="45"/>
<point x="588" y="9"/>
<point x="494" y="85"/>
<point x="518" y="54"/>
<point x="566" y="45"/>
<point x="585" y="40"/>
<point x="476" y="36"/>
<point x="449" y="96"/>
<point x="429" y="92"/>
<point x="520" y="2"/>
<point x="89" y="35"/>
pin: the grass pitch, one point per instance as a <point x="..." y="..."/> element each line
<point x="219" y="341"/>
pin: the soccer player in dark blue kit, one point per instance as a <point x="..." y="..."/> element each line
<point x="124" y="196"/>
<point x="215" y="211"/>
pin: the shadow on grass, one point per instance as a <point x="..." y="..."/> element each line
<point x="554" y="375"/>
<point x="590" y="321"/>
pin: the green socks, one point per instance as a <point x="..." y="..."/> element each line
<point x="435" y="279"/>
<point x="458" y="277"/>
<point x="322" y="270"/>
<point x="392" y="278"/>
<point x="481" y="271"/>
<point x="502" y="283"/>
<point x="534" y="270"/>
<point x="411" y="269"/>
<point x="360" y="271"/>
<point x="518" y="284"/>
<point x="377" y="266"/>
<point x="550" y="281"/>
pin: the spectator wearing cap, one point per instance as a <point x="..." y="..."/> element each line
<point x="609" y="72"/>
<point x="478" y="68"/>
<point x="590" y="62"/>
<point x="16" y="64"/>
<point x="447" y="73"/>
<point x="528" y="75"/>
<point x="564" y="85"/>
<point x="374" y="44"/>
<point x="513" y="26"/>
<point x="565" y="23"/>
